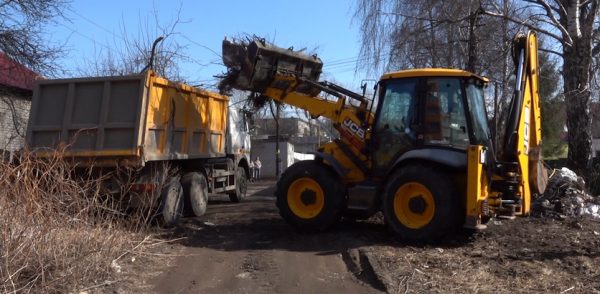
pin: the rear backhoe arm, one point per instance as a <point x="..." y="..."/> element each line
<point x="521" y="152"/>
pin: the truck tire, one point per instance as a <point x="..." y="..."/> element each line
<point x="310" y="196"/>
<point x="421" y="204"/>
<point x="195" y="192"/>
<point x="171" y="206"/>
<point x="241" y="186"/>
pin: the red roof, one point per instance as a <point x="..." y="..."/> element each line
<point x="16" y="75"/>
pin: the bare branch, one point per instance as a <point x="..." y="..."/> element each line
<point x="131" y="50"/>
<point x="553" y="20"/>
<point x="22" y="25"/>
<point x="596" y="49"/>
<point x="551" y="51"/>
<point x="530" y="26"/>
<point x="584" y="3"/>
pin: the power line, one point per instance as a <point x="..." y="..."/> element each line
<point x="347" y="62"/>
<point x="86" y="36"/>
<point x="339" y="63"/>
<point x="202" y="46"/>
<point x="342" y="60"/>
<point x="125" y="40"/>
<point x="98" y="25"/>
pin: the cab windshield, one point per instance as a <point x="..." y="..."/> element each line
<point x="475" y="100"/>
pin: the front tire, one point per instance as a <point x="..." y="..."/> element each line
<point x="421" y="204"/>
<point x="310" y="196"/>
<point x="241" y="186"/>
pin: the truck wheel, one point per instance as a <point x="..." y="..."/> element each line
<point x="171" y="198"/>
<point x="241" y="186"/>
<point x="421" y="204"/>
<point x="310" y="196"/>
<point x="195" y="191"/>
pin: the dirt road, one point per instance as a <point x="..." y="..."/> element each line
<point x="247" y="248"/>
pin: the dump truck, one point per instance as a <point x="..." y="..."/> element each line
<point x="190" y="137"/>
<point x="419" y="150"/>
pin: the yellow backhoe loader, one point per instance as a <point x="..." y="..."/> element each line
<point x="420" y="150"/>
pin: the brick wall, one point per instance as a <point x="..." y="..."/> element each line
<point x="14" y="114"/>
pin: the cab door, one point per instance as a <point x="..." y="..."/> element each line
<point x="396" y="123"/>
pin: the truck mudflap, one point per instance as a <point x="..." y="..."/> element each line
<point x="253" y="64"/>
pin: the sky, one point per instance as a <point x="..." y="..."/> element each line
<point x="324" y="27"/>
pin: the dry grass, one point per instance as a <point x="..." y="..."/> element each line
<point x="60" y="228"/>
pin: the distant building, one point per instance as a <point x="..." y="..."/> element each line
<point x="16" y="89"/>
<point x="297" y="138"/>
<point x="265" y="149"/>
<point x="305" y="136"/>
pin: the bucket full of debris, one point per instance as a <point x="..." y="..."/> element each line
<point x="252" y="65"/>
<point x="566" y="197"/>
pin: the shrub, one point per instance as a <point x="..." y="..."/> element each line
<point x="60" y="228"/>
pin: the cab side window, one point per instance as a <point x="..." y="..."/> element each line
<point x="397" y="116"/>
<point x="444" y="118"/>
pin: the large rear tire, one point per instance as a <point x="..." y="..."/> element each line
<point x="195" y="191"/>
<point x="241" y="186"/>
<point x="171" y="198"/>
<point x="420" y="203"/>
<point x="310" y="196"/>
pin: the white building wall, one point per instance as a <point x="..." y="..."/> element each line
<point x="265" y="149"/>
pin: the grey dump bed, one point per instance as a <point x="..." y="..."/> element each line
<point x="131" y="119"/>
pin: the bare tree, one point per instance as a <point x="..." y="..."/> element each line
<point x="411" y="31"/>
<point x="23" y="42"/>
<point x="22" y="37"/>
<point x="132" y="51"/>
<point x="433" y="33"/>
<point x="573" y="24"/>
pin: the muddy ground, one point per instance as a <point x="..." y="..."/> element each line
<point x="248" y="248"/>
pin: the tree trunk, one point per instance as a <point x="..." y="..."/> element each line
<point x="472" y="43"/>
<point x="576" y="76"/>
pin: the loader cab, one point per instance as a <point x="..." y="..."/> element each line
<point x="428" y="109"/>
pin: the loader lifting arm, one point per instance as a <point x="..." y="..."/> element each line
<point x="292" y="77"/>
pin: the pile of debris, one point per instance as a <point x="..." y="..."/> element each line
<point x="565" y="197"/>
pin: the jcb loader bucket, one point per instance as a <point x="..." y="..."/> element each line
<point x="253" y="66"/>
